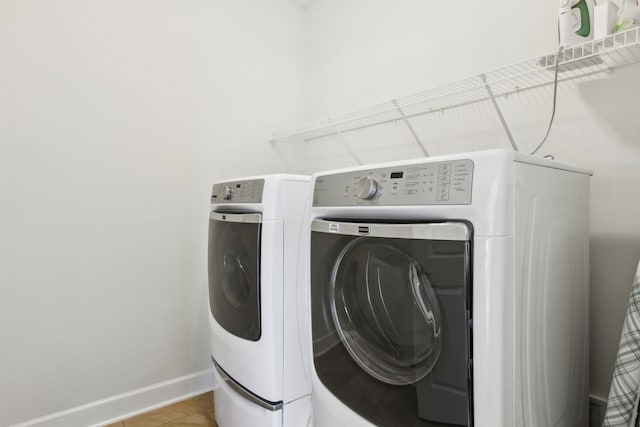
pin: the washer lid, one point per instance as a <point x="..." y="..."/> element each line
<point x="385" y="311"/>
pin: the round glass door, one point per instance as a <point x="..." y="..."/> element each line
<point x="235" y="278"/>
<point x="234" y="273"/>
<point x="385" y="311"/>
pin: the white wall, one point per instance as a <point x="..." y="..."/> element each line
<point x="115" y="119"/>
<point x="362" y="52"/>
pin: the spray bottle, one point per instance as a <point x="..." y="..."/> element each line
<point x="575" y="22"/>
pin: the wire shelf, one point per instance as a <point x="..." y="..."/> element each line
<point x="581" y="60"/>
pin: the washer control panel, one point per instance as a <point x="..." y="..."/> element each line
<point x="238" y="191"/>
<point x="437" y="183"/>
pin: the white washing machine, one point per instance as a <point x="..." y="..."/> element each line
<point x="451" y="291"/>
<point x="261" y="367"/>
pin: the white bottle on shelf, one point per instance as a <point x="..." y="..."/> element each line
<point x="628" y="16"/>
<point x="575" y="21"/>
<point x="605" y="19"/>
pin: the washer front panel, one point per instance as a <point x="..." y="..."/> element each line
<point x="435" y="183"/>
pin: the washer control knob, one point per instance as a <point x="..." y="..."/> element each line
<point x="368" y="188"/>
<point x="227" y="192"/>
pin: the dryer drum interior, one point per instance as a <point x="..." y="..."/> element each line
<point x="385" y="311"/>
<point x="391" y="320"/>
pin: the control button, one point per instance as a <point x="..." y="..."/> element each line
<point x="368" y="188"/>
<point x="227" y="192"/>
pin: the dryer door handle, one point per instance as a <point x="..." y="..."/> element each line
<point x="449" y="230"/>
<point x="252" y="218"/>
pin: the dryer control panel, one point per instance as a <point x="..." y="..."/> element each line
<point x="249" y="191"/>
<point x="435" y="183"/>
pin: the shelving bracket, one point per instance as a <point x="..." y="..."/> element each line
<point x="340" y="137"/>
<point x="505" y="126"/>
<point x="411" y="129"/>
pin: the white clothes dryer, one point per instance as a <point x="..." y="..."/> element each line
<point x="450" y="291"/>
<point x="255" y="227"/>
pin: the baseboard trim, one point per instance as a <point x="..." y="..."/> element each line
<point x="126" y="405"/>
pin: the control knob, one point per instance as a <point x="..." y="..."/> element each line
<point x="227" y="192"/>
<point x="368" y="188"/>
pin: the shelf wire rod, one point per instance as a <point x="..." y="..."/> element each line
<point x="526" y="75"/>
<point x="342" y="140"/>
<point x="625" y="56"/>
<point x="436" y="107"/>
<point x="497" y="107"/>
<point x="634" y="54"/>
<point x="631" y="54"/>
<point x="358" y="115"/>
<point x="618" y="57"/>
<point x="613" y="58"/>
<point x="411" y="129"/>
<point x="523" y="73"/>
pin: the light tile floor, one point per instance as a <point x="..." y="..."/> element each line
<point x="197" y="411"/>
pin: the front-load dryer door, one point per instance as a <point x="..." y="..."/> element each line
<point x="245" y="297"/>
<point x="234" y="272"/>
<point x="391" y="319"/>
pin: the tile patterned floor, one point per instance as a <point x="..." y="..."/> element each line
<point x="197" y="411"/>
